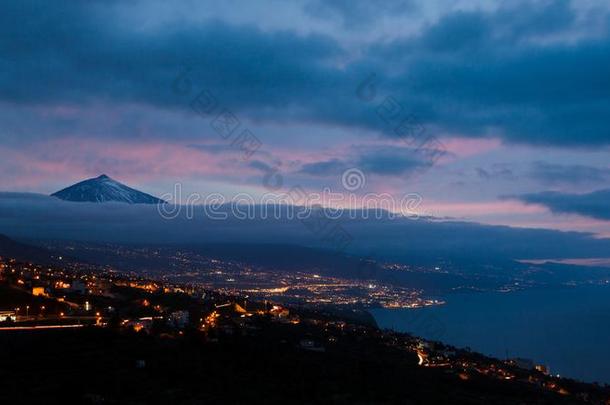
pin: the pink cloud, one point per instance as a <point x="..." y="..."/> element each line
<point x="64" y="160"/>
<point x="471" y="210"/>
<point x="465" y="147"/>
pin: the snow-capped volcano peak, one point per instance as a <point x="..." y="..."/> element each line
<point x="103" y="189"/>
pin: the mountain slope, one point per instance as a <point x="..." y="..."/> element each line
<point x="25" y="253"/>
<point x="103" y="189"/>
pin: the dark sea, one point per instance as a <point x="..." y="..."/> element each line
<point x="567" y="329"/>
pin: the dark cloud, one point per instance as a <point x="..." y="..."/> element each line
<point x="557" y="174"/>
<point x="594" y="205"/>
<point x="355" y="14"/>
<point x="496" y="172"/>
<point x="454" y="33"/>
<point x="391" y="161"/>
<point x="475" y="73"/>
<point x="70" y="52"/>
<point x="482" y="173"/>
<point x="260" y="166"/>
<point x="324" y="168"/>
<point x="387" y="161"/>
<point x="539" y="19"/>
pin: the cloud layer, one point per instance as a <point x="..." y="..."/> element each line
<point x="526" y="72"/>
<point x="593" y="205"/>
<point x="34" y="216"/>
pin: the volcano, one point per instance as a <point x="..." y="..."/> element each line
<point x="104" y="189"/>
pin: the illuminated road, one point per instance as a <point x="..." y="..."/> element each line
<point x="421" y="357"/>
<point x="39" y="327"/>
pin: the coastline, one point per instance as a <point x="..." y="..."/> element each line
<point x="563" y="328"/>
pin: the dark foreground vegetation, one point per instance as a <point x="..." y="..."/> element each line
<point x="105" y="366"/>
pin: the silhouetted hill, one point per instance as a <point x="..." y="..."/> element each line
<point x="287" y="257"/>
<point x="24" y="252"/>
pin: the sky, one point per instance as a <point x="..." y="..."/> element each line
<point x="492" y="112"/>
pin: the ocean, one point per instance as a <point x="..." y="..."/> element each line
<point x="567" y="329"/>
